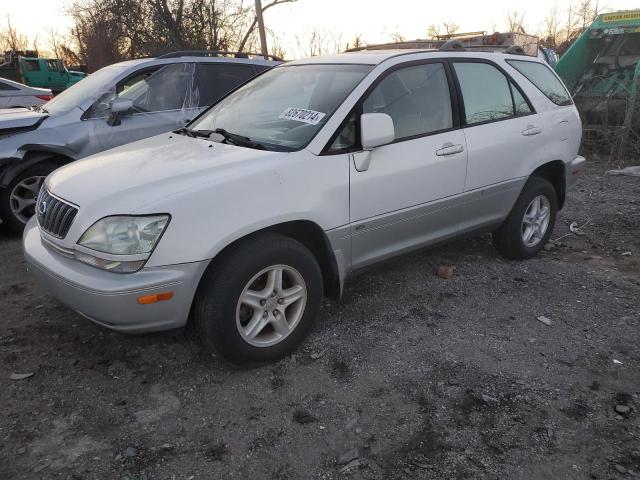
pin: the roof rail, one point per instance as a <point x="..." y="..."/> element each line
<point x="217" y="53"/>
<point x="452" y="45"/>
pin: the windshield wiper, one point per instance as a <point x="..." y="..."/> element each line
<point x="192" y="133"/>
<point x="229" y="137"/>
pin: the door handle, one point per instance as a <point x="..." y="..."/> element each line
<point x="449" y="149"/>
<point x="531" y="130"/>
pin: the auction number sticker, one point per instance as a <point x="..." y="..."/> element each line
<point x="302" y="115"/>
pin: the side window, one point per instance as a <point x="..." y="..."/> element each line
<point x="169" y="88"/>
<point x="486" y="92"/>
<point x="347" y="138"/>
<point x="33" y="65"/>
<point x="416" y="98"/>
<point x="544" y="79"/>
<point x="53" y="66"/>
<point x="216" y="79"/>
<point x="138" y="77"/>
<point x="521" y="105"/>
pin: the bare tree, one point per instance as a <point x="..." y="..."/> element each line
<point x="515" y="22"/>
<point x="444" y="30"/>
<point x="357" y="42"/>
<point x="251" y="30"/>
<point x="12" y="39"/>
<point x="318" y="42"/>
<point x="450" y="28"/>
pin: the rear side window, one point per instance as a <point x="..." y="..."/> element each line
<point x="416" y="98"/>
<point x="216" y="80"/>
<point x="544" y="79"/>
<point x="485" y="91"/>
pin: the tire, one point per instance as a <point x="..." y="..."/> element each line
<point x="221" y="318"/>
<point x="509" y="238"/>
<point x="15" y="221"/>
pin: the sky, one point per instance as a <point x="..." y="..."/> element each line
<point x="375" y="20"/>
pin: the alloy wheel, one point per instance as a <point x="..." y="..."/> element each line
<point x="536" y="221"/>
<point x="24" y="194"/>
<point x="271" y="305"/>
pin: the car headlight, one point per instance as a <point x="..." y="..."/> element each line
<point x="121" y="243"/>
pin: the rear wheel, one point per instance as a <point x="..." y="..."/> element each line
<point x="530" y="223"/>
<point x="259" y="302"/>
<point x="18" y="199"/>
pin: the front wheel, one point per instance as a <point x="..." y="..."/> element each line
<point x="18" y="199"/>
<point x="529" y="225"/>
<point x="258" y="302"/>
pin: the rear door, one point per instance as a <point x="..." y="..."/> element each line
<point x="502" y="129"/>
<point x="400" y="195"/>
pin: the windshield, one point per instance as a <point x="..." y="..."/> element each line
<point x="89" y="88"/>
<point x="284" y="108"/>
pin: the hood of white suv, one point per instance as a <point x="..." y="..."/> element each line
<point x="144" y="175"/>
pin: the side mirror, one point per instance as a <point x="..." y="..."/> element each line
<point x="119" y="107"/>
<point x="376" y="129"/>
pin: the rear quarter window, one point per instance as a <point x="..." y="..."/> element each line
<point x="544" y="80"/>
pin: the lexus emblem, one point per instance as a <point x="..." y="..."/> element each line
<point x="42" y="208"/>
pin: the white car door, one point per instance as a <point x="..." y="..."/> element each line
<point x="400" y="192"/>
<point x="502" y="130"/>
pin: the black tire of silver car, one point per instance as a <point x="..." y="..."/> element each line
<point x="18" y="199"/>
<point x="536" y="209"/>
<point x="259" y="301"/>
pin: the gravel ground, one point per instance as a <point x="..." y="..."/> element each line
<point x="409" y="376"/>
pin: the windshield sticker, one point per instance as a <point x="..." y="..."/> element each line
<point x="302" y="115"/>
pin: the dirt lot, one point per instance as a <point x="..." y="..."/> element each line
<point x="410" y="376"/>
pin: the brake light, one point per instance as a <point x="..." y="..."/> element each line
<point x="46" y="98"/>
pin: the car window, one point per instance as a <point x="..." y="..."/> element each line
<point x="169" y="88"/>
<point x="5" y="87"/>
<point x="285" y="107"/>
<point x="486" y="92"/>
<point x="347" y="138"/>
<point x="416" y="98"/>
<point x="544" y="79"/>
<point x="33" y="65"/>
<point x="215" y="80"/>
<point x="521" y="105"/>
<point x="53" y="65"/>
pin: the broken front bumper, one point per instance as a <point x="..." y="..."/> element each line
<point x="111" y="299"/>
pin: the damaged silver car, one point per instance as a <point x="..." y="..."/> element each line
<point x="116" y="105"/>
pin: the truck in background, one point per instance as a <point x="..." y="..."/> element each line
<point x="602" y="71"/>
<point x="30" y="69"/>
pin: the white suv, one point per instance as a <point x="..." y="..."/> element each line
<point x="269" y="199"/>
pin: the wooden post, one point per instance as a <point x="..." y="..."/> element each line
<point x="263" y="35"/>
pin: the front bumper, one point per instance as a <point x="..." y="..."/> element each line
<point x="111" y="299"/>
<point x="573" y="169"/>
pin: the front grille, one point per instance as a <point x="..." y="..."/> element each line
<point x="55" y="216"/>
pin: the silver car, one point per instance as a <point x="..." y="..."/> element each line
<point x="14" y="94"/>
<point x="116" y="105"/>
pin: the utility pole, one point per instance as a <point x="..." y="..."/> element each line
<point x="263" y="35"/>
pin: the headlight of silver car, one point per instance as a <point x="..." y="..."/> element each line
<point x="121" y="243"/>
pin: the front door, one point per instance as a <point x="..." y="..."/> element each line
<point x="400" y="193"/>
<point x="163" y="101"/>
